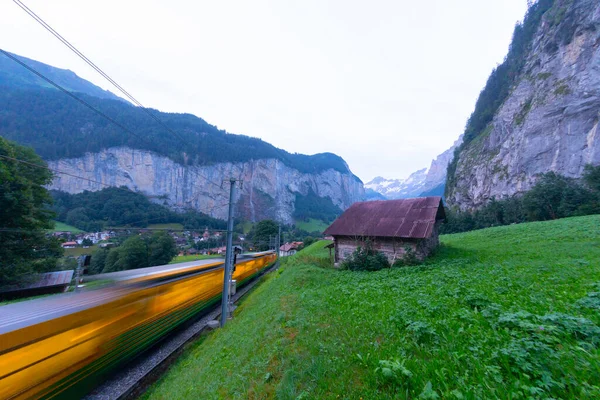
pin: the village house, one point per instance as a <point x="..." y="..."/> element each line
<point x="389" y="226"/>
<point x="289" y="249"/>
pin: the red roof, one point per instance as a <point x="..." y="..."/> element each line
<point x="290" y="246"/>
<point x="404" y="218"/>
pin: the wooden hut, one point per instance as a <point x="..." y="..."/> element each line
<point x="390" y="226"/>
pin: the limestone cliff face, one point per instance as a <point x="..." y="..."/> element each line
<point x="549" y="122"/>
<point x="269" y="187"/>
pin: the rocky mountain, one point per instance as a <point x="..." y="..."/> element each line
<point x="399" y="188"/>
<point x="424" y="182"/>
<point x="269" y="189"/>
<point x="185" y="169"/>
<point x="540" y="109"/>
<point x="14" y="75"/>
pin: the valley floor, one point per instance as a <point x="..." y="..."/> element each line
<point x="509" y="312"/>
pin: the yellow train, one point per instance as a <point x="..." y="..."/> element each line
<point x="63" y="345"/>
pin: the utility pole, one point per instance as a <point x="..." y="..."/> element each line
<point x="226" y="298"/>
<point x="278" y="241"/>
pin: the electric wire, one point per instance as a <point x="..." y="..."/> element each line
<point x="99" y="70"/>
<point x="88" y="105"/>
<point x="57" y="171"/>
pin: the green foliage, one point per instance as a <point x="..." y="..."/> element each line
<point x="394" y="372"/>
<point x="308" y="241"/>
<point x="311" y="225"/>
<point x="139" y="252"/>
<point x="553" y="196"/>
<point x="591" y="176"/>
<point x="495" y="314"/>
<point x="24" y="215"/>
<point x="98" y="261"/>
<point x="110" y="207"/>
<point x="263" y="234"/>
<point x="161" y="248"/>
<point x="408" y="259"/>
<point x="71" y="129"/>
<point x="522" y="114"/>
<point x="366" y="259"/>
<point x="315" y="207"/>
<point x="562" y="90"/>
<point x="62" y="227"/>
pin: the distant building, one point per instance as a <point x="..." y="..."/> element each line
<point x="69" y="245"/>
<point x="289" y="249"/>
<point x="389" y="226"/>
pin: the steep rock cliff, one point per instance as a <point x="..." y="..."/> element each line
<point x="549" y="121"/>
<point x="269" y="186"/>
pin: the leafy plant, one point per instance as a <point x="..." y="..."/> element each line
<point x="394" y="372"/>
<point x="366" y="259"/>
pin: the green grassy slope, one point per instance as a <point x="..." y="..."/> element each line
<point x="508" y="312"/>
<point x="62" y="227"/>
<point x="312" y="225"/>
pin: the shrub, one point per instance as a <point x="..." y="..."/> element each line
<point x="366" y="259"/>
<point x="409" y="258"/>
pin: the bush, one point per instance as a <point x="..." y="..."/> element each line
<point x="409" y="258"/>
<point x="553" y="196"/>
<point x="366" y="259"/>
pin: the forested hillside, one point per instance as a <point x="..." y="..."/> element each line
<point x="110" y="207"/>
<point x="57" y="127"/>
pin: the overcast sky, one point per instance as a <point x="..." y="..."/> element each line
<point x="387" y="85"/>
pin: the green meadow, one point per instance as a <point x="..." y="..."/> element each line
<point x="511" y="312"/>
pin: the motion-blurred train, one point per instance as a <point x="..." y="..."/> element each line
<point x="63" y="345"/>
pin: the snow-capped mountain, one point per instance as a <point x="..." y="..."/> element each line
<point x="424" y="182"/>
<point x="399" y="188"/>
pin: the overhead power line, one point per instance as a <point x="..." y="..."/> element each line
<point x="57" y="171"/>
<point x="104" y="74"/>
<point x="62" y="172"/>
<point x="92" y="64"/>
<point x="88" y="105"/>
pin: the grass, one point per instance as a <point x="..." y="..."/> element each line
<point x="62" y="227"/>
<point x="312" y="225"/>
<point x="511" y="312"/>
<point x="180" y="259"/>
<point x="174" y="226"/>
<point x="78" y="251"/>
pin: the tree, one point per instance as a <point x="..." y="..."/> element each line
<point x="591" y="176"/>
<point x="162" y="249"/>
<point x="112" y="262"/>
<point x="263" y="233"/>
<point x="24" y="215"/>
<point x="98" y="261"/>
<point x="87" y="242"/>
<point x="308" y="241"/>
<point x="139" y="252"/>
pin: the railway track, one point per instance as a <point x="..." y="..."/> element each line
<point x="61" y="346"/>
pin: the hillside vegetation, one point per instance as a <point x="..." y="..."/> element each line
<point x="507" y="312"/>
<point x="57" y="127"/>
<point x="111" y="207"/>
